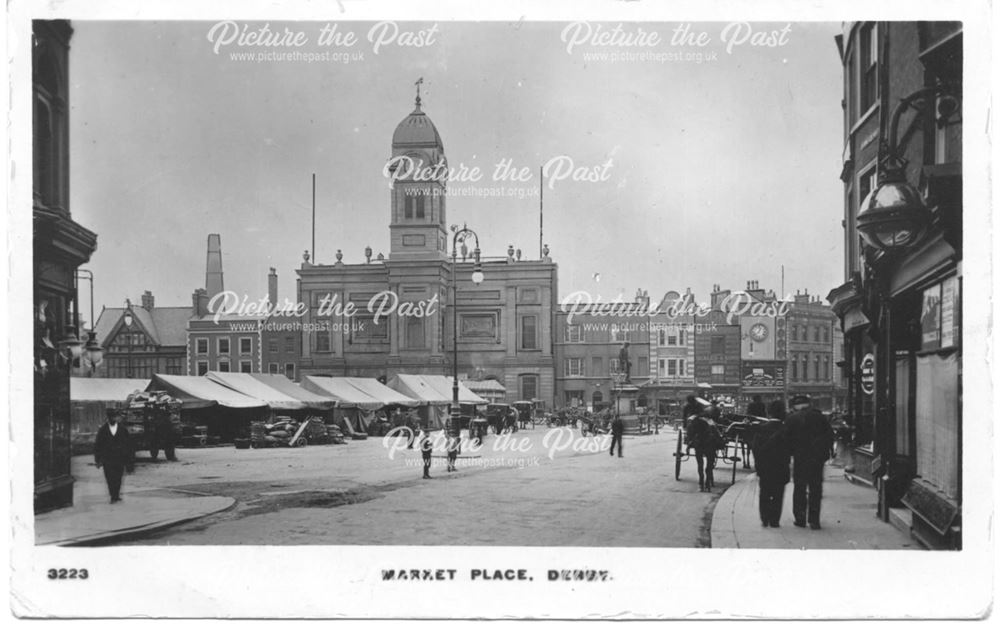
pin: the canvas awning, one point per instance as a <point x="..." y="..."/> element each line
<point x="484" y="386"/>
<point x="281" y="383"/>
<point x="382" y="392"/>
<point x="251" y="386"/>
<point x="104" y="389"/>
<point x="200" y="392"/>
<point x="435" y="390"/>
<point x="346" y="394"/>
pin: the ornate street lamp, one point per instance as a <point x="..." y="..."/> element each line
<point x="460" y="237"/>
<point x="894" y="215"/>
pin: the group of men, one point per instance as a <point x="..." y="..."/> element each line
<point x="785" y="448"/>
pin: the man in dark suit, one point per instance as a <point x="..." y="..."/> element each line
<point x="113" y="452"/>
<point x="810" y="438"/>
<point x="757" y="408"/>
<point x="617" y="431"/>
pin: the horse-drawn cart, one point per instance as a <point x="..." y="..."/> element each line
<point x="738" y="433"/>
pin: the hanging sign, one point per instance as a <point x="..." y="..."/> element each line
<point x="868" y="374"/>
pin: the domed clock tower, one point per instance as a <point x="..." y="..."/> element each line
<point x="419" y="171"/>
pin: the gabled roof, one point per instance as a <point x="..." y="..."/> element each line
<point x="165" y="326"/>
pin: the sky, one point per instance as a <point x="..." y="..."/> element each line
<point x="721" y="171"/>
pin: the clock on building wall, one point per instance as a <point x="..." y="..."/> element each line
<point x="758" y="332"/>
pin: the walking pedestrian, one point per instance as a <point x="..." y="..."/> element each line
<point x="772" y="457"/>
<point x="426" y="447"/>
<point x="810" y="438"/>
<point x="113" y="452"/>
<point x="617" y="431"/>
<point x="453" y="444"/>
<point x="704" y="437"/>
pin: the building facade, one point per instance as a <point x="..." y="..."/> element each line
<point x="671" y="353"/>
<point x="899" y="307"/>
<point x="588" y="350"/>
<point x="392" y="315"/>
<point x="60" y="246"/>
<point x="812" y="361"/>
<point x="154" y="341"/>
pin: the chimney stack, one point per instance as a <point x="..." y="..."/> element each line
<point x="272" y="287"/>
<point x="147" y="300"/>
<point x="213" y="266"/>
<point x="199" y="302"/>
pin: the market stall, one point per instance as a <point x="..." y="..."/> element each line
<point x="89" y="400"/>
<point x="223" y="410"/>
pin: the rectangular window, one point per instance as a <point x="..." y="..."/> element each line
<point x="246" y="366"/>
<point x="272" y="346"/>
<point x="795" y="366"/>
<point x="574" y="334"/>
<point x="682" y="337"/>
<point x="364" y="328"/>
<point x="672" y="367"/>
<point x="661" y="337"/>
<point x="223" y="366"/>
<point x="290" y="370"/>
<point x="620" y="334"/>
<point x="414" y="333"/>
<point x="202" y="367"/>
<point x="816" y="334"/>
<point x="642" y="366"/>
<point x="201" y="346"/>
<point x="596" y="366"/>
<point x="246" y="345"/>
<point x="272" y="367"/>
<point x="868" y="76"/>
<point x="718" y="370"/>
<point x="529" y="387"/>
<point x="816" y="367"/>
<point x="663" y="367"/>
<point x="529" y="339"/>
<point x="223" y="346"/>
<point x="574" y="367"/>
<point x="680" y="366"/>
<point x="289" y="343"/>
<point x="322" y="341"/>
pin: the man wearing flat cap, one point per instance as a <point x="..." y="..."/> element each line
<point x="810" y="438"/>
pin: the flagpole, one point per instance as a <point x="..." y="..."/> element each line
<point x="314" y="220"/>
<point x="541" y="211"/>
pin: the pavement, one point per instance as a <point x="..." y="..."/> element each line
<point x="848" y="519"/>
<point x="93" y="520"/>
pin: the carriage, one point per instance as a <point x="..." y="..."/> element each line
<point x="738" y="434"/>
<point x="525" y="411"/>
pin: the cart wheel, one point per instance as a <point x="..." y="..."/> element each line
<point x="301" y="441"/>
<point x="677" y="456"/>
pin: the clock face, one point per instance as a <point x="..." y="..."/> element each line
<point x="758" y="332"/>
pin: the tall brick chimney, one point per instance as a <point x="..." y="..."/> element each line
<point x="147" y="300"/>
<point x="272" y="287"/>
<point x="213" y="266"/>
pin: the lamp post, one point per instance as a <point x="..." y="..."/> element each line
<point x="128" y="337"/>
<point x="460" y="236"/>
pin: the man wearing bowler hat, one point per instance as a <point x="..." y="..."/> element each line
<point x="810" y="438"/>
<point x="113" y="453"/>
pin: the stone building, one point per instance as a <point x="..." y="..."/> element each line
<point x="504" y="324"/>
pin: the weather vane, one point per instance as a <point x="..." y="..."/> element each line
<point x="419" y="82"/>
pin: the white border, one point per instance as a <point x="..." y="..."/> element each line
<point x="649" y="583"/>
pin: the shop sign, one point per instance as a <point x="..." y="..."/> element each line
<point x="949" y="312"/>
<point x="868" y="374"/>
<point x="764" y="375"/>
<point x="930" y="318"/>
